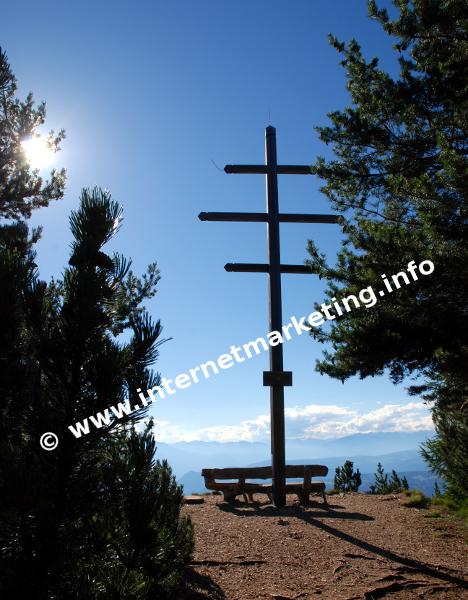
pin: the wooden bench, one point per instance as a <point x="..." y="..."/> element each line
<point x="231" y="489"/>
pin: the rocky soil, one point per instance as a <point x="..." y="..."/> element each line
<point x="363" y="547"/>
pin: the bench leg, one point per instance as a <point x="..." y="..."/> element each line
<point x="229" y="496"/>
<point x="324" y="498"/>
<point x="250" y="496"/>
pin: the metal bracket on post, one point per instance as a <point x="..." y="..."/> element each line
<point x="272" y="378"/>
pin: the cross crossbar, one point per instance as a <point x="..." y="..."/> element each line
<point x="263" y="217"/>
<point x="265" y="169"/>
<point x="265" y="268"/>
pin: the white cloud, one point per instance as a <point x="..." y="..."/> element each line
<point x="247" y="431"/>
<point x="314" y="421"/>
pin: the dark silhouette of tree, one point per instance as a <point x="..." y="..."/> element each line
<point x="399" y="179"/>
<point x="97" y="517"/>
<point x="21" y="188"/>
<point x="383" y="484"/>
<point x="346" y="479"/>
<point x="446" y="453"/>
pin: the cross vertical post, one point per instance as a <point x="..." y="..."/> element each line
<point x="276" y="320"/>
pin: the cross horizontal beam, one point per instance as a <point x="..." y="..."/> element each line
<point x="263" y="217"/>
<point x="264" y="169"/>
<point x="265" y="268"/>
<point x="234" y="216"/>
<point x="314" y="218"/>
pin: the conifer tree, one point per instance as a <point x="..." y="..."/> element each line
<point x="97" y="517"/>
<point x="380" y="485"/>
<point x="22" y="189"/>
<point x="346" y="479"/>
<point x="398" y="178"/>
<point x="395" y="482"/>
<point x="383" y="484"/>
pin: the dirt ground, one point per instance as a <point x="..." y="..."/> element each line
<point x="364" y="546"/>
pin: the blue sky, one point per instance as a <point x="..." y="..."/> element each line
<point x="153" y="95"/>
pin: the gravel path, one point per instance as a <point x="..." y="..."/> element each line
<point x="365" y="547"/>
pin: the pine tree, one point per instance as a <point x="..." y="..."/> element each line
<point x="97" y="517"/>
<point x="383" y="484"/>
<point x="143" y="525"/>
<point x="395" y="482"/>
<point x="21" y="188"/>
<point x="446" y="453"/>
<point x="380" y="485"/>
<point x="346" y="479"/>
<point x="399" y="179"/>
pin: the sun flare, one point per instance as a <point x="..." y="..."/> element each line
<point x="37" y="152"/>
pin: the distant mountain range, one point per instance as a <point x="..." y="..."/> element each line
<point x="407" y="463"/>
<point x="395" y="450"/>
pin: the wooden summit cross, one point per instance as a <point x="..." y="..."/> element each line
<point x="276" y="378"/>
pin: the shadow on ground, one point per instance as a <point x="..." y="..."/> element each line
<point x="200" y="587"/>
<point x="256" y="509"/>
<point x="329" y="512"/>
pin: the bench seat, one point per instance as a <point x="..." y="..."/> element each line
<point x="241" y="487"/>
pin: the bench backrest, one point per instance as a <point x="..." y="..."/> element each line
<point x="296" y="471"/>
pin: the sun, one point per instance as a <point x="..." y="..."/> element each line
<point x="37" y="152"/>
